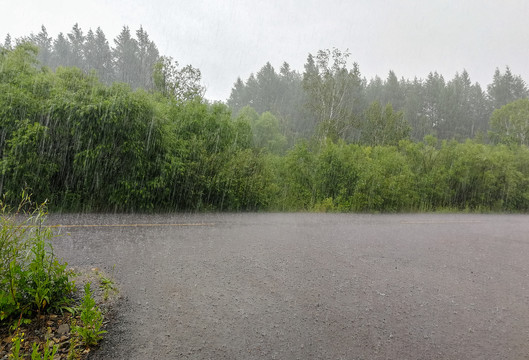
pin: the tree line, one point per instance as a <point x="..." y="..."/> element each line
<point x="85" y="145"/>
<point x="330" y="98"/>
<point x="134" y="60"/>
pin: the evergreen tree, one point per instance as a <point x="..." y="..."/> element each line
<point x="266" y="98"/>
<point x="61" y="52"/>
<point x="375" y="90"/>
<point x="457" y="116"/>
<point x="104" y="57"/>
<point x="125" y="58"/>
<point x="434" y="89"/>
<point x="90" y="51"/>
<point x="480" y="109"/>
<point x="7" y="42"/>
<point x="97" y="55"/>
<point x="77" y="40"/>
<point x="279" y="93"/>
<point x="414" y="111"/>
<point x="237" y="100"/>
<point x="147" y="57"/>
<point x="506" y="88"/>
<point x="393" y="93"/>
<point x="294" y="118"/>
<point x="44" y="43"/>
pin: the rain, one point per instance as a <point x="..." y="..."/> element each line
<point x="281" y="179"/>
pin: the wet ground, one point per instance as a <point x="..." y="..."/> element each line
<point x="309" y="286"/>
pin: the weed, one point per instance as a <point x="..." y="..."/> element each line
<point x="47" y="354"/>
<point x="73" y="351"/>
<point x="107" y="284"/>
<point x="17" y="341"/>
<point x="31" y="278"/>
<point x="92" y="320"/>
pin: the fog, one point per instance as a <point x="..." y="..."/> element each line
<point x="235" y="38"/>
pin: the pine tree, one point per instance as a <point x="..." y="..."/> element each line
<point x="124" y="56"/>
<point x="61" y="52"/>
<point x="147" y="56"/>
<point x="44" y="43"/>
<point x="7" y="42"/>
<point x="77" y="40"/>
<point x="393" y="93"/>
<point x="506" y="88"/>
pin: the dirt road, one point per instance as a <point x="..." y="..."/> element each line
<point x="310" y="286"/>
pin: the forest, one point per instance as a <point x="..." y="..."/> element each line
<point x="91" y="127"/>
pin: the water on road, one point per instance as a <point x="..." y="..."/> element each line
<point x="309" y="286"/>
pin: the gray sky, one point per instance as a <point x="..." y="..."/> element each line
<point x="230" y="38"/>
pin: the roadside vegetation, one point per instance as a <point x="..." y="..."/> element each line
<point x="41" y="315"/>
<point x="324" y="140"/>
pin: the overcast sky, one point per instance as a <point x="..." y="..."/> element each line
<point x="230" y="38"/>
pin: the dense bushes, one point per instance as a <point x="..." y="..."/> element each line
<point x="420" y="176"/>
<point x="85" y="146"/>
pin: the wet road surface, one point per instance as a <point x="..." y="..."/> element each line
<point x="309" y="286"/>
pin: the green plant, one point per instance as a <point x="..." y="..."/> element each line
<point x="47" y="354"/>
<point x="31" y="278"/>
<point x="91" y="318"/>
<point x="107" y="285"/>
<point x="17" y="341"/>
<point x="73" y="351"/>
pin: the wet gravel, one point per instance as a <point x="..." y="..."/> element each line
<point x="309" y="286"/>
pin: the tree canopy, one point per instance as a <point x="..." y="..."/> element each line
<point x="330" y="98"/>
<point x="510" y="123"/>
<point x="345" y="144"/>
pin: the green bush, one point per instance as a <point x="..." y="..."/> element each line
<point x="31" y="278"/>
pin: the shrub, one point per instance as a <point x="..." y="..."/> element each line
<point x="31" y="278"/>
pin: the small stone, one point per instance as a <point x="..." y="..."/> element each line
<point x="63" y="329"/>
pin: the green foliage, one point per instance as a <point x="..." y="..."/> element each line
<point x="384" y="127"/>
<point x="334" y="93"/>
<point x="510" y="124"/>
<point x="47" y="353"/>
<point x="267" y="134"/>
<point x="297" y="176"/>
<point x="15" y="347"/>
<point x="385" y="183"/>
<point x="329" y="100"/>
<point x="91" y="318"/>
<point x="506" y="88"/>
<point x="31" y="278"/>
<point x="336" y="175"/>
<point x="265" y="129"/>
<point x="179" y="84"/>
<point x="86" y="146"/>
<point x="106" y="284"/>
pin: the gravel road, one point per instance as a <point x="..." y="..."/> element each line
<point x="309" y="286"/>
